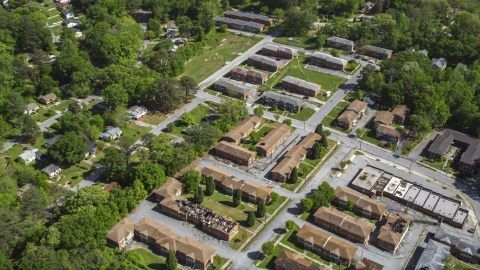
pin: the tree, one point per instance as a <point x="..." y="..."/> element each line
<point x="189" y="86"/>
<point x="322" y="196"/>
<point x="206" y="13"/>
<point x="47" y="85"/>
<point x="276" y="116"/>
<point x="97" y="121"/>
<point x="254" y="137"/>
<point x="316" y="150"/>
<point x="115" y="162"/>
<point x="170" y="126"/>
<point x="290" y="225"/>
<point x="115" y="95"/>
<point x="287" y="121"/>
<point x="258" y="111"/>
<point x="30" y="129"/>
<point x="335" y="53"/>
<point x="274" y="197"/>
<point x="186" y="119"/>
<point x="320" y="41"/>
<point x="75" y="108"/>
<point x="306" y="204"/>
<point x="279" y="13"/>
<point x="237" y="197"/>
<point x="323" y="140"/>
<point x="297" y="22"/>
<point x="251" y="219"/>
<point x="34" y="202"/>
<point x="222" y="28"/>
<point x="230" y="113"/>
<point x="150" y="174"/>
<point x="68" y="149"/>
<point x="319" y="129"/>
<point x="191" y="179"/>
<point x="294" y="175"/>
<point x="261" y="209"/>
<point x="165" y="94"/>
<point x="210" y="186"/>
<point x="350" y="205"/>
<point x="267" y="248"/>
<point x="171" y="260"/>
<point x="5" y="262"/>
<point x="202" y="136"/>
<point x="199" y="195"/>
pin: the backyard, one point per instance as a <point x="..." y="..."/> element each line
<point x="63" y="105"/>
<point x="303" y="115"/>
<point x="75" y="174"/>
<point x="212" y="59"/>
<point x="333" y="114"/>
<point x="297" y="42"/>
<point x="135" y="131"/>
<point x="150" y="260"/>
<point x="42" y="115"/>
<point x="198" y="113"/>
<point x="14" y="152"/>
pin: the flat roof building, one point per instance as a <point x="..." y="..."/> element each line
<point x="366" y="180"/>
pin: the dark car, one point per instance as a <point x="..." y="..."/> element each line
<point x="305" y="97"/>
<point x="356" y="56"/>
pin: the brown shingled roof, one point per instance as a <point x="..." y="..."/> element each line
<point x="367" y="264"/>
<point x="257" y="74"/>
<point x="239" y="70"/>
<point x="295" y="261"/>
<point x="394" y="229"/>
<point x="347" y="116"/>
<point x="232" y="183"/>
<point x="360" y="200"/>
<point x="256" y="190"/>
<point x="171" y="187"/>
<point x="235" y="150"/>
<point x="357" y="105"/>
<point x="339" y="219"/>
<point x="121" y="230"/>
<point x="384" y="117"/>
<point x="400" y="110"/>
<point x="218" y="174"/>
<point x="388" y="130"/>
<point x="151" y="228"/>
<point x="243" y="127"/>
<point x="272" y="137"/>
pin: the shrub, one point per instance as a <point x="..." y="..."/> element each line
<point x="251" y="219"/>
<point x="288" y="122"/>
<point x="290" y="225"/>
<point x="170" y="126"/>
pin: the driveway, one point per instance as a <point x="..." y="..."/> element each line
<point x="421" y="151"/>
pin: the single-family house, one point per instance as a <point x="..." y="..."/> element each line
<point x="48" y="98"/>
<point x="439" y="63"/>
<point x="340" y="43"/>
<point x="400" y="113"/>
<point x="92" y="149"/>
<point x="383" y="117"/>
<point x="423" y="51"/>
<point x="31" y="108"/>
<point x="51" y="141"/>
<point x="51" y="170"/>
<point x="68" y="14"/>
<point x="78" y="33"/>
<point x="111" y="133"/>
<point x="28" y="156"/>
<point x="292" y="104"/>
<point x="70" y="23"/>
<point x="376" y="52"/>
<point x="171" y="26"/>
<point x="328" y="61"/>
<point x="368" y="6"/>
<point x="388" y="133"/>
<point x="300" y="86"/>
<point x="137" y="111"/>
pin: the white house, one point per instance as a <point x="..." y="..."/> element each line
<point x="51" y="170"/>
<point x="137" y="111"/>
<point x="28" y="156"/>
<point x="70" y="23"/>
<point x="31" y="108"/>
<point x="111" y="133"/>
<point x="68" y="14"/>
<point x="78" y="33"/>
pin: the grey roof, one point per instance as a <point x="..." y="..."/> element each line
<point x="439" y="62"/>
<point x="442" y="142"/>
<point x="238" y="22"/>
<point x="280" y="48"/>
<point x="433" y="256"/>
<point x="247" y="15"/>
<point x="329" y="58"/>
<point x="66" y="11"/>
<point x="32" y="106"/>
<point x="266" y="60"/>
<point x="235" y="87"/>
<point x="91" y="147"/>
<point x="50" y="169"/>
<point x="113" y="131"/>
<point x="459" y="241"/>
<point x="28" y="154"/>
<point x="51" y="141"/>
<point x="302" y="83"/>
<point x="410" y="49"/>
<point x="423" y="51"/>
<point x="377" y="49"/>
<point x="341" y="41"/>
<point x="283" y="98"/>
<point x="39" y="155"/>
<point x="67" y="21"/>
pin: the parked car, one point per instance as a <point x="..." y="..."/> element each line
<point x="305" y="97"/>
<point x="279" y="59"/>
<point x="371" y="61"/>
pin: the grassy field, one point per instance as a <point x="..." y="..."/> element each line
<point x="41" y="115"/>
<point x="303" y="115"/>
<point x="297" y="42"/>
<point x="369" y="135"/>
<point x="199" y="114"/>
<point x="155" y="119"/>
<point x="135" y="131"/>
<point x="268" y="262"/>
<point x="54" y="20"/>
<point x="273" y="206"/>
<point x="228" y="201"/>
<point x="57" y="30"/>
<point x="150" y="260"/>
<point x="295" y="69"/>
<point x="436" y="163"/>
<point x="75" y="174"/>
<point x="63" y="105"/>
<point x="14" y="152"/>
<point x="212" y="59"/>
<point x="53" y="12"/>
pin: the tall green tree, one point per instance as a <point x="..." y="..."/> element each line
<point x="251" y="219"/>
<point x="189" y="86"/>
<point x="210" y="186"/>
<point x="150" y="174"/>
<point x="261" y="209"/>
<point x="68" y="149"/>
<point x="191" y="179"/>
<point x="199" y="195"/>
<point x="316" y="150"/>
<point x="171" y="260"/>
<point x="115" y="95"/>
<point x="237" y="197"/>
<point x="30" y="129"/>
<point x="34" y="202"/>
<point x="294" y="175"/>
<point x="116" y="164"/>
<point x="267" y="248"/>
<point x="165" y="94"/>
<point x="306" y="204"/>
<point x="258" y="111"/>
<point x="297" y="22"/>
<point x="231" y="112"/>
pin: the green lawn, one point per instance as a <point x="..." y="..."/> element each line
<point x="212" y="104"/>
<point x="53" y="12"/>
<point x="369" y="135"/>
<point x="212" y="58"/>
<point x="304" y="170"/>
<point x="155" y="119"/>
<point x="436" y="163"/>
<point x="135" y="131"/>
<point x="99" y="157"/>
<point x="57" y="30"/>
<point x="210" y="91"/>
<point x="237" y="241"/>
<point x="40" y="141"/>
<point x="14" y="152"/>
<point x="303" y="115"/>
<point x="54" y="20"/>
<point x="297" y="42"/>
<point x="333" y="114"/>
<point x="75" y="174"/>
<point x="295" y="69"/>
<point x="63" y="105"/>
<point x="42" y="116"/>
<point x="49" y="5"/>
<point x="452" y="263"/>
<point x="150" y="260"/>
<point x="228" y="201"/>
<point x="198" y="113"/>
<point x="273" y="206"/>
<point x="268" y="262"/>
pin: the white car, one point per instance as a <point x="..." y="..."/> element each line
<point x="57" y="103"/>
<point x="371" y="61"/>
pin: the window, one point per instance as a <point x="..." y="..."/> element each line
<point x="308" y="245"/>
<point x="190" y="262"/>
<point x="342" y="203"/>
<point x="465" y="257"/>
<point x="334" y="258"/>
<point x="143" y="238"/>
<point x="163" y="251"/>
<point x="252" y="199"/>
<point x="229" y="191"/>
<point x="366" y="213"/>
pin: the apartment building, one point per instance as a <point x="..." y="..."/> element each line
<point x="393" y="231"/>
<point x="265" y="63"/>
<point x="279" y="51"/>
<point x="292" y="104"/>
<point x="266" y="145"/>
<point x="328" y="61"/>
<point x="232" y="89"/>
<point x="235" y="153"/>
<point x="251" y="76"/>
<point x="340" y="43"/>
<point x="364" y="206"/>
<point x="242" y="129"/>
<point x="300" y="86"/>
